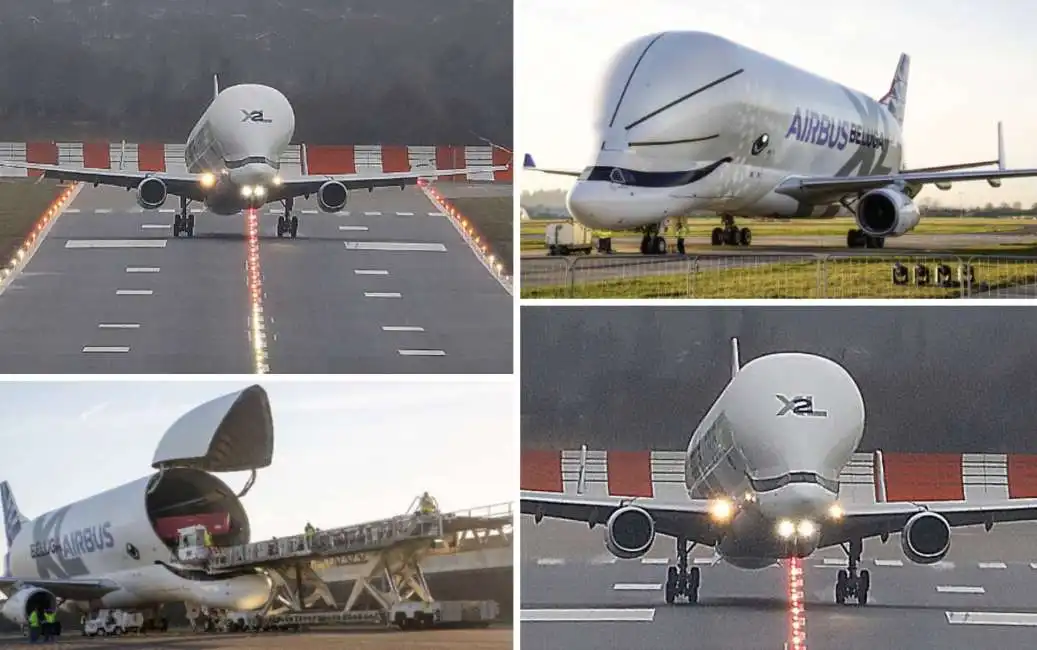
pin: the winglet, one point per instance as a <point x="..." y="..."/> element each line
<point x="895" y="100"/>
<point x="736" y="363"/>
<point x="879" y="471"/>
<point x="215" y="86"/>
<point x="528" y="163"/>
<point x="13" y="519"/>
<point x="1000" y="146"/>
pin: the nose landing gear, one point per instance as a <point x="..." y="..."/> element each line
<point x="849" y="583"/>
<point x="680" y="582"/>
<point x="183" y="222"/>
<point x="287" y="223"/>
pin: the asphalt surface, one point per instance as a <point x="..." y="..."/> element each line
<point x="637" y="378"/>
<point x="432" y="311"/>
<point x="565" y="567"/>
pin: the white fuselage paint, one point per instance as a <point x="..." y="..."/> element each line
<point x="751" y="433"/>
<point x="95" y="534"/>
<point x="767" y="98"/>
<point x="240" y="139"/>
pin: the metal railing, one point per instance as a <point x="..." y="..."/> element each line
<point x="875" y="274"/>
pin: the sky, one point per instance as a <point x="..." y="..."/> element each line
<point x="960" y="54"/>
<point x="345" y="452"/>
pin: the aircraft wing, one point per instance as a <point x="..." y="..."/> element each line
<point x="690" y="519"/>
<point x="818" y="189"/>
<point x="872" y="520"/>
<point x="68" y="589"/>
<point x="176" y="184"/>
<point x="305" y="185"/>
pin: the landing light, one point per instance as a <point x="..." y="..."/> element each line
<point x="207" y="180"/>
<point x="277" y="181"/>
<point x="786" y="529"/>
<point x="806" y="528"/>
<point x="835" y="511"/>
<point x="259" y="191"/>
<point x="721" y="510"/>
<point x="246" y="191"/>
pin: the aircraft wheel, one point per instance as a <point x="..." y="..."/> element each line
<point x="731" y="236"/>
<point x="190" y="225"/>
<point x="863" y="586"/>
<point x="295" y="227"/>
<point x="178" y="225"/>
<point x="646" y="244"/>
<point x="659" y="246"/>
<point x="717" y="238"/>
<point x="745" y="236"/>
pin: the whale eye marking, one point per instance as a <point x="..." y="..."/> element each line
<point x="761" y="143"/>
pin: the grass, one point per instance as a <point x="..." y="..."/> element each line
<point x="844" y="278"/>
<point x="494" y="220"/>
<point x="22" y="202"/>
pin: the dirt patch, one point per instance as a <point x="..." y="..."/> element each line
<point x="22" y="202"/>
<point x="492" y="218"/>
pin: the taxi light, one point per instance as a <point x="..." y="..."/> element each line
<point x="835" y="511"/>
<point x="207" y="180"/>
<point x="246" y="191"/>
<point x="721" y="510"/>
<point x="259" y="190"/>
<point x="277" y="181"/>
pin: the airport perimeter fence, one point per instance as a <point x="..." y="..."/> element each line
<point x="789" y="275"/>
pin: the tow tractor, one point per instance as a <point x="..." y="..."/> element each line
<point x="113" y="622"/>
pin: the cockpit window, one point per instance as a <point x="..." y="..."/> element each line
<point x="770" y="484"/>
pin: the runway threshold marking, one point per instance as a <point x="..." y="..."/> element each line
<point x="655" y="560"/>
<point x="393" y="246"/>
<point x="587" y="615"/>
<point x="401" y="328"/>
<point x="381" y="294"/>
<point x="115" y="243"/>
<point x="951" y="589"/>
<point x="422" y="353"/>
<point x="118" y="326"/>
<point x="992" y="565"/>
<point x="992" y="618"/>
<point x="134" y="292"/>
<point x="370" y="272"/>
<point x="550" y="561"/>
<point x="354" y="228"/>
<point x="106" y="349"/>
<point x="143" y="269"/>
<point x="636" y="586"/>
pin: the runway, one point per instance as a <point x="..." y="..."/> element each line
<point x="386" y="286"/>
<point x="565" y="567"/>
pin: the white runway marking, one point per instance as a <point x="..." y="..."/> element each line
<point x="167" y="210"/>
<point x="392" y="246"/>
<point x="636" y="586"/>
<point x="72" y="211"/>
<point x="401" y="328"/>
<point x="422" y="353"/>
<point x="834" y="561"/>
<point x="106" y="348"/>
<point x="550" y="561"/>
<point x="991" y="618"/>
<point x="404" y="214"/>
<point x="115" y="243"/>
<point x="950" y="589"/>
<point x="992" y="565"/>
<point x="381" y="294"/>
<point x="119" y="326"/>
<point x="436" y="214"/>
<point x="372" y="214"/>
<point x="889" y="563"/>
<point x="310" y="211"/>
<point x="356" y="228"/>
<point x="943" y="565"/>
<point x="704" y="561"/>
<point x="154" y="226"/>
<point x="370" y="272"/>
<point x="655" y="560"/>
<point x="587" y="615"/>
<point x="134" y="292"/>
<point x="598" y="561"/>
<point x="341" y="213"/>
<point x="102" y="210"/>
<point x="142" y="269"/>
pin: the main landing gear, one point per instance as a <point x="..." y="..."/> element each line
<point x="857" y="239"/>
<point x="183" y="222"/>
<point x="730" y="234"/>
<point x="287" y="223"/>
<point x="652" y="243"/>
<point x="850" y="583"/>
<point x="680" y="582"/>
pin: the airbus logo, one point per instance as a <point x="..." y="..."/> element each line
<point x="825" y="131"/>
<point x="58" y="553"/>
<point x="801" y="405"/>
<point x="254" y="116"/>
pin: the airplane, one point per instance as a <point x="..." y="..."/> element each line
<point x="692" y="122"/>
<point x="117" y="549"/>
<point x="762" y="476"/>
<point x="233" y="160"/>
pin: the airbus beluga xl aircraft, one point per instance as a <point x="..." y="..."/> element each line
<point x="233" y="159"/>
<point x="116" y="549"/>
<point x="691" y="122"/>
<point x="762" y="476"/>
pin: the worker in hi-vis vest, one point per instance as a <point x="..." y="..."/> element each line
<point x="604" y="241"/>
<point x="427" y="505"/>
<point x="34" y="626"/>
<point x="681" y="231"/>
<point x="50" y="625"/>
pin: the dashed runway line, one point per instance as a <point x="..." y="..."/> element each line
<point x="992" y="565"/>
<point x="354" y="228"/>
<point x="106" y="349"/>
<point x="401" y="328"/>
<point x="388" y="246"/>
<point x="1027" y="619"/>
<point x="134" y="292"/>
<point x="370" y="272"/>
<point x="953" y="589"/>
<point x="587" y="615"/>
<point x="372" y="214"/>
<point x="143" y="269"/>
<point x="118" y="326"/>
<point x="636" y="586"/>
<point x="115" y="243"/>
<point x="422" y="353"/>
<point x="381" y="294"/>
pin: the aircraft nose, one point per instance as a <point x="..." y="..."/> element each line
<point x="584" y="204"/>
<point x="796" y="500"/>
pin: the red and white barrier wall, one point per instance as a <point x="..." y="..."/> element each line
<point x="298" y="159"/>
<point x="904" y="477"/>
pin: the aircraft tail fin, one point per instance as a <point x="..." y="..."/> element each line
<point x="895" y="100"/>
<point x="13" y="518"/>
<point x="215" y="86"/>
<point x="736" y="362"/>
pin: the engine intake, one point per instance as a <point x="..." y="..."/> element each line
<point x="331" y="197"/>
<point x="926" y="538"/>
<point x="16" y="609"/>
<point x="886" y="212"/>
<point x="151" y="193"/>
<point x="629" y="533"/>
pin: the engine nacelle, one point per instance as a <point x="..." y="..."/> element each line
<point x="926" y="538"/>
<point x="16" y="609"/>
<point x="887" y="212"/>
<point x="629" y="533"/>
<point x="331" y="197"/>
<point x="151" y="193"/>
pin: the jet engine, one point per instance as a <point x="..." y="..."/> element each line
<point x="151" y="193"/>
<point x="331" y="197"/>
<point x="629" y="533"/>
<point x="16" y="609"/>
<point x="926" y="538"/>
<point x="887" y="212"/>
